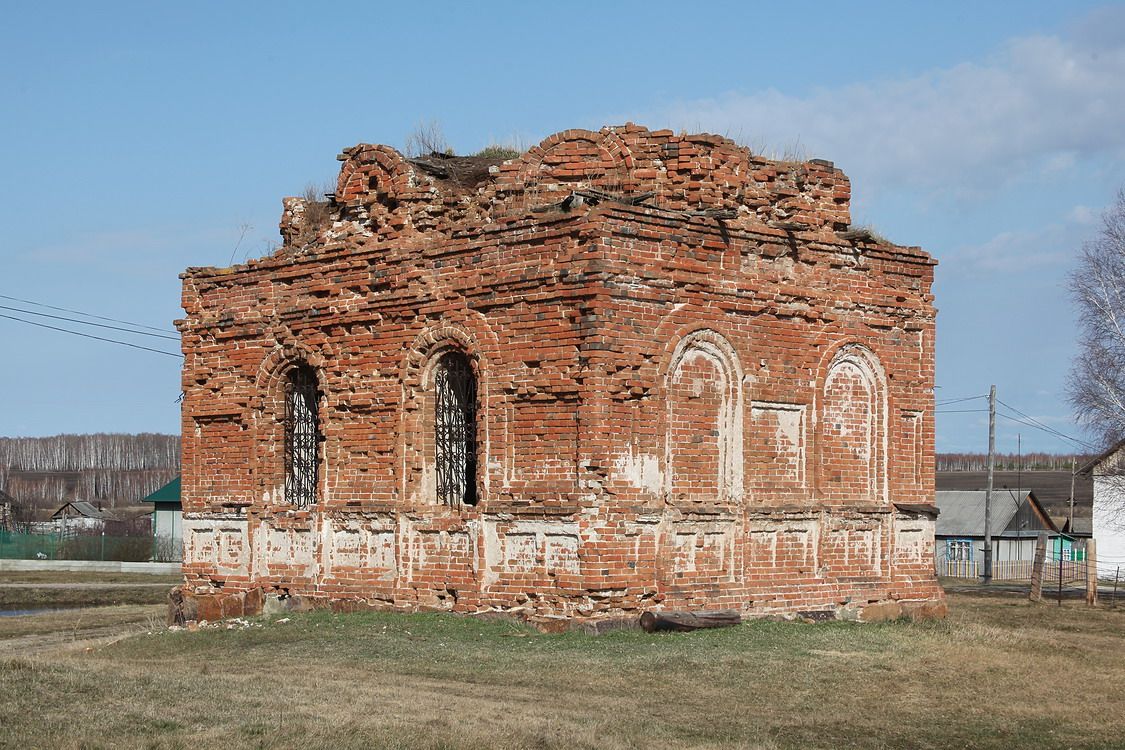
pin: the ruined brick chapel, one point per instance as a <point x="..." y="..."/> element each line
<point x="627" y="370"/>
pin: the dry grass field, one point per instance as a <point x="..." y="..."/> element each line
<point x="47" y="589"/>
<point x="998" y="673"/>
<point x="72" y="576"/>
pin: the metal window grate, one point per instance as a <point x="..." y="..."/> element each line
<point x="455" y="430"/>
<point x="302" y="437"/>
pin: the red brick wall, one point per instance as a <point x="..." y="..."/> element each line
<point x="696" y="389"/>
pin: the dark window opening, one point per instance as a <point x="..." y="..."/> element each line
<point x="455" y="430"/>
<point x="302" y="437"/>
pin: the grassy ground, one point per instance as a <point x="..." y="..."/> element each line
<point x="997" y="673"/>
<point x="76" y="576"/>
<point x="79" y="623"/>
<point x="47" y="589"/>
<point x="36" y="598"/>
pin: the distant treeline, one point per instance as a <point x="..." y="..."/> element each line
<point x="1009" y="461"/>
<point x="99" y="451"/>
<point x="113" y="469"/>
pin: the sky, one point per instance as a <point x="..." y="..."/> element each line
<point x="138" y="139"/>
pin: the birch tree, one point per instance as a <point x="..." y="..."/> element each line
<point x="1097" y="285"/>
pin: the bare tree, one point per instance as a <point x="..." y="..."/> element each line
<point x="1034" y="461"/>
<point x="1097" y="377"/>
<point x="121" y="469"/>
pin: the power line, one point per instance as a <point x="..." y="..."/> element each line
<point x="1055" y="433"/>
<point x="88" y="323"/>
<point x="1048" y="430"/>
<point x="950" y="401"/>
<point x="1022" y="414"/>
<point x="89" y="336"/>
<point x="1027" y="420"/>
<point x="84" y="314"/>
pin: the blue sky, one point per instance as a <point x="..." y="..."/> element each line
<point x="139" y="139"/>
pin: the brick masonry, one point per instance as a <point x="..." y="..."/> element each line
<point x="697" y="389"/>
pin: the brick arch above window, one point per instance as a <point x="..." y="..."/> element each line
<point x="431" y="343"/>
<point x="288" y="455"/>
<point x="431" y="351"/>
<point x="274" y="367"/>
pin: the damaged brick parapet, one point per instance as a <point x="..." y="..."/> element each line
<point x="381" y="193"/>
<point x="693" y="387"/>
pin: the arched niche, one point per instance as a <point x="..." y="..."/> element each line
<point x="852" y="427"/>
<point x="703" y="421"/>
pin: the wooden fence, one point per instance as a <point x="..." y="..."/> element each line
<point x="1011" y="570"/>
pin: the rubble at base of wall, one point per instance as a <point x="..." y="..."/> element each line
<point x="186" y="607"/>
<point x="884" y="611"/>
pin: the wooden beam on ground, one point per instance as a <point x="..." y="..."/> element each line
<point x="652" y="622"/>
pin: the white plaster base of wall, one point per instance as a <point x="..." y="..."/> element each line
<point x="93" y="566"/>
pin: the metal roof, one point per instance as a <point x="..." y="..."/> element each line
<point x="83" y="508"/>
<point x="962" y="513"/>
<point x="169" y="493"/>
<point x="1051" y="488"/>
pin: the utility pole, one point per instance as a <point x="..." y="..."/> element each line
<point x="986" y="575"/>
<point x="1072" y="494"/>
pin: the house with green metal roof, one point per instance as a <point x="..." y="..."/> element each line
<point x="167" y="522"/>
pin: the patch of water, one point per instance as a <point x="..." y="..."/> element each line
<point x="28" y="612"/>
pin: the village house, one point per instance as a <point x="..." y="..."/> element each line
<point x="1068" y="498"/>
<point x="1107" y="471"/>
<point x="627" y="370"/>
<point x="167" y="522"/>
<point x="78" y="517"/>
<point x="1018" y="517"/>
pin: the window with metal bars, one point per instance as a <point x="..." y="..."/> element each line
<point x="455" y="430"/>
<point x="302" y="437"/>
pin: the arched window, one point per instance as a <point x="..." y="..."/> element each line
<point x="302" y="436"/>
<point x="455" y="429"/>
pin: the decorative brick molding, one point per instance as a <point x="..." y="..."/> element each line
<point x="696" y="388"/>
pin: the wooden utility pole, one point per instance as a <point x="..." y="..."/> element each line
<point x="1072" y="494"/>
<point x="1059" y="539"/>
<point x="1037" y="567"/>
<point x="1091" y="572"/>
<point x="986" y="574"/>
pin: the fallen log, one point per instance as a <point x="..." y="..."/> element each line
<point x="652" y="622"/>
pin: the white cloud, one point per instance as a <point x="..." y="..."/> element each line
<point x="1038" y="106"/>
<point x="1082" y="215"/>
<point x="1018" y="251"/>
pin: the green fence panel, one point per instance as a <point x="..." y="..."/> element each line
<point x="17" y="546"/>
